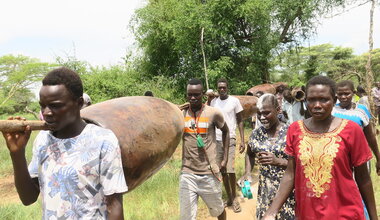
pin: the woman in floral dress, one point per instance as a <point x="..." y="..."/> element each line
<point x="267" y="144"/>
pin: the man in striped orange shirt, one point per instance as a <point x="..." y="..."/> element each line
<point x="200" y="174"/>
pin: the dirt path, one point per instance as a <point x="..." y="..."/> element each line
<point x="248" y="206"/>
<point x="8" y="191"/>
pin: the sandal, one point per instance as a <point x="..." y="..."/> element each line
<point x="236" y="206"/>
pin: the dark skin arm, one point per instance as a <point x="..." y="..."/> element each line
<point x="27" y="188"/>
<point x="264" y="158"/>
<point x="210" y="97"/>
<point x="372" y="142"/>
<point x="115" y="206"/>
<point x="226" y="144"/>
<point x="286" y="187"/>
<point x="239" y="120"/>
<point x="249" y="164"/>
<point x="363" y="180"/>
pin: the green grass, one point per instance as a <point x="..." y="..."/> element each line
<point x="376" y="179"/>
<point x="28" y="116"/>
<point x="6" y="162"/>
<point x="156" y="198"/>
<point x="376" y="186"/>
<point x="20" y="212"/>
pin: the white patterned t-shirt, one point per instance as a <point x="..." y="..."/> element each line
<point x="76" y="174"/>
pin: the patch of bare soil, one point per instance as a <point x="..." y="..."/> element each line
<point x="8" y="193"/>
<point x="248" y="207"/>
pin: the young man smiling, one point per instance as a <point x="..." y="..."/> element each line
<point x="76" y="166"/>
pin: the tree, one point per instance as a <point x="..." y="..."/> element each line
<point x="17" y="75"/>
<point x="369" y="73"/>
<point x="240" y="36"/>
<point x="306" y="62"/>
<point x="298" y="66"/>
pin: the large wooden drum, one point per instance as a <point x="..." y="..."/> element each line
<point x="249" y="105"/>
<point x="148" y="129"/>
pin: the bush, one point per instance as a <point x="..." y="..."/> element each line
<point x="104" y="83"/>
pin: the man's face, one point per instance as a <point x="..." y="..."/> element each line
<point x="287" y="95"/>
<point x="344" y="95"/>
<point x="222" y="89"/>
<point x="58" y="106"/>
<point x="320" y="101"/>
<point x="194" y="95"/>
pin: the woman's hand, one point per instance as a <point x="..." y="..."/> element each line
<point x="267" y="158"/>
<point x="245" y="177"/>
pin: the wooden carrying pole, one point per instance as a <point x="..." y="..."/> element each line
<point x="18" y="125"/>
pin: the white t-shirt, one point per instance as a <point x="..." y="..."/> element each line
<point x="229" y="107"/>
<point x="293" y="110"/>
<point x="75" y="174"/>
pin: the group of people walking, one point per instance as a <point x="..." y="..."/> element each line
<point x="313" y="168"/>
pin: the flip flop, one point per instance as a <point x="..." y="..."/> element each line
<point x="236" y="206"/>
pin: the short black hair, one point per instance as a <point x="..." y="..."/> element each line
<point x="360" y="89"/>
<point x="322" y="80"/>
<point x="67" y="77"/>
<point x="280" y="88"/>
<point x="345" y="83"/>
<point x="222" y="80"/>
<point x="148" y="93"/>
<point x="195" y="81"/>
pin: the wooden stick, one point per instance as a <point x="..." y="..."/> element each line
<point x="17" y="125"/>
<point x="204" y="58"/>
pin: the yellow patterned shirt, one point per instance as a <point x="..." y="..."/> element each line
<point x="324" y="183"/>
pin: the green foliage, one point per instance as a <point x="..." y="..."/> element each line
<point x="239" y="37"/>
<point x="71" y="62"/>
<point x="298" y="66"/>
<point x="17" y="75"/>
<point x="104" y="83"/>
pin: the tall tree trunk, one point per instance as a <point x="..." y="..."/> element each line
<point x="369" y="74"/>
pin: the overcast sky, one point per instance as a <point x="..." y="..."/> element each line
<point x="98" y="29"/>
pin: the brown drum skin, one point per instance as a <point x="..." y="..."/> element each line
<point x="249" y="105"/>
<point x="148" y="129"/>
<point x="266" y="88"/>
